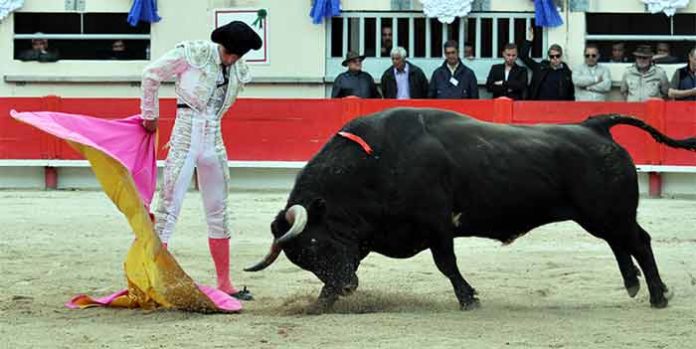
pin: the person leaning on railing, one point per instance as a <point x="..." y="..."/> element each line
<point x="403" y="79"/>
<point x="453" y="80"/>
<point x="683" y="87"/>
<point x="592" y="80"/>
<point x="508" y="79"/>
<point x="644" y="79"/>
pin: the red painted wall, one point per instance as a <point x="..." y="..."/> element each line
<point x="294" y="129"/>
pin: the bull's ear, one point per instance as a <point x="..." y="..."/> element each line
<point x="317" y="209"/>
<point x="279" y="225"/>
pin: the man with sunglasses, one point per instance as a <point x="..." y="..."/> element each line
<point x="208" y="77"/>
<point x="644" y="79"/>
<point x="592" y="80"/>
<point x="551" y="79"/>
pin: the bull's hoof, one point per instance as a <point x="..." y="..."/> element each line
<point x="668" y="293"/>
<point x="318" y="308"/>
<point x="633" y="289"/>
<point x="663" y="299"/>
<point x="470" y="304"/>
<point x="315" y="309"/>
<point x="660" y="303"/>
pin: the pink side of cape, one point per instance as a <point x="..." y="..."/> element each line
<point x="222" y="300"/>
<point x="123" y="139"/>
<point x="126" y="141"/>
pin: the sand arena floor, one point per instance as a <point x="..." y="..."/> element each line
<point x="557" y="287"/>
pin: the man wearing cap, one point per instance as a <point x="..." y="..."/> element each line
<point x="208" y="76"/>
<point x="354" y="82"/>
<point x="644" y="80"/>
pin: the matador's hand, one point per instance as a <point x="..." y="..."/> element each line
<point x="150" y="125"/>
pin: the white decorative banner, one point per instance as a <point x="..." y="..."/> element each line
<point x="446" y="10"/>
<point x="669" y="7"/>
<point x="7" y="6"/>
<point x="254" y="20"/>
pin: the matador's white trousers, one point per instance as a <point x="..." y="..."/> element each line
<point x="195" y="143"/>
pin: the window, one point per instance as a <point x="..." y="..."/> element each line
<point x="678" y="32"/>
<point x="369" y="33"/>
<point x="82" y="36"/>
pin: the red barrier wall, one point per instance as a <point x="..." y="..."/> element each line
<point x="295" y="129"/>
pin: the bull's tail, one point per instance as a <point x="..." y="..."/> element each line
<point x="602" y="123"/>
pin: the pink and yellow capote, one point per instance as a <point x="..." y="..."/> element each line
<point x="122" y="156"/>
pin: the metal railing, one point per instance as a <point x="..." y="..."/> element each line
<point x="353" y="36"/>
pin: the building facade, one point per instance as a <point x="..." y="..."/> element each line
<point x="301" y="58"/>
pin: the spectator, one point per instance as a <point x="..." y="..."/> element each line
<point x="469" y="52"/>
<point x="618" y="53"/>
<point x="354" y="82"/>
<point x="664" y="54"/>
<point x="551" y="79"/>
<point x="387" y="41"/>
<point x="683" y="85"/>
<point x="403" y="80"/>
<point x="507" y="79"/>
<point x="39" y="52"/>
<point x="118" y="50"/>
<point x="453" y="80"/>
<point x="643" y="79"/>
<point x="592" y="80"/>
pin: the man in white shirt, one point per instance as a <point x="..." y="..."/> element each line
<point x="592" y="81"/>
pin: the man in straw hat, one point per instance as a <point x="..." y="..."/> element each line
<point x="644" y="80"/>
<point x="354" y="82"/>
<point x="209" y="75"/>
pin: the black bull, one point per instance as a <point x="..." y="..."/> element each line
<point x="433" y="175"/>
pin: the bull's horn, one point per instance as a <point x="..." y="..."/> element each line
<point x="268" y="260"/>
<point x="297" y="216"/>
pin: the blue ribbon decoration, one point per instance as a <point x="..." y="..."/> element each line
<point x="143" y="10"/>
<point x="324" y="9"/>
<point x="546" y="14"/>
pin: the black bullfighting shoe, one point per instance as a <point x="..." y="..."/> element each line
<point x="243" y="295"/>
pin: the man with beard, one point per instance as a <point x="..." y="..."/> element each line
<point x="644" y="79"/>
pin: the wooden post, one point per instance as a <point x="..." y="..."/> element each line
<point x="50" y="178"/>
<point x="655" y="116"/>
<point x="502" y="110"/>
<point x="655" y="184"/>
